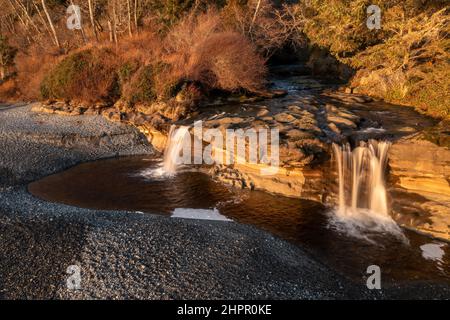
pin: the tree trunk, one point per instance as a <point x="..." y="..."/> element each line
<point x="114" y="22"/>
<point x="83" y="35"/>
<point x="91" y="16"/>
<point x="136" y="16"/>
<point x="50" y="22"/>
<point x="42" y="19"/>
<point x="111" y="38"/>
<point x="254" y="16"/>
<point x="2" y="73"/>
<point x="27" y="15"/>
<point x="130" y="32"/>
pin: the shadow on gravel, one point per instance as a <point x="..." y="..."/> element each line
<point x="34" y="255"/>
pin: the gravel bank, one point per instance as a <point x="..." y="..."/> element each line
<point x="132" y="255"/>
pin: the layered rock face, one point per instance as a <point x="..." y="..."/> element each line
<point x="310" y="117"/>
<point x="420" y="177"/>
<point x="307" y="123"/>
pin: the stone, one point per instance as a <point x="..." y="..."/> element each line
<point x="294" y="134"/>
<point x="422" y="168"/>
<point x="334" y="128"/>
<point x="92" y="112"/>
<point x="341" y="121"/>
<point x="263" y="113"/>
<point x="284" y="117"/>
<point x="79" y="110"/>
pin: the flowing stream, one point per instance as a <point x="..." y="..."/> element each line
<point x="357" y="233"/>
<point x="122" y="184"/>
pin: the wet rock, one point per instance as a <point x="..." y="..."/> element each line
<point x="263" y="113"/>
<point x="272" y="94"/>
<point x="341" y="121"/>
<point x="307" y="124"/>
<point x="422" y="168"/>
<point x="284" y="117"/>
<point x="296" y="134"/>
<point x="334" y="128"/>
<point x="295" y="110"/>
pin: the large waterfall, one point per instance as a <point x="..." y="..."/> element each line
<point x="362" y="201"/>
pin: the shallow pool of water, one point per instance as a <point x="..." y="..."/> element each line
<point x="119" y="184"/>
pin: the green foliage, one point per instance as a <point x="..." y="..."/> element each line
<point x="89" y="75"/>
<point x="127" y="70"/>
<point x="406" y="61"/>
<point x="142" y="86"/>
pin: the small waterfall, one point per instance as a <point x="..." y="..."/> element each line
<point x="172" y="159"/>
<point x="362" y="202"/>
<point x="174" y="146"/>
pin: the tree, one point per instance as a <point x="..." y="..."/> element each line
<point x="7" y="55"/>
<point x="50" y="22"/>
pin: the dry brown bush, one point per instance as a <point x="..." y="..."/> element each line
<point x="269" y="27"/>
<point x="8" y="90"/>
<point x="32" y="66"/>
<point x="201" y="49"/>
<point x="143" y="48"/>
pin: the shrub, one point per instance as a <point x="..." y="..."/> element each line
<point x="7" y="54"/>
<point x="89" y="75"/>
<point x="200" y="49"/>
<point x="140" y="87"/>
<point x="32" y="66"/>
<point x="269" y="27"/>
<point x="405" y="62"/>
<point x="411" y="67"/>
<point x="8" y="90"/>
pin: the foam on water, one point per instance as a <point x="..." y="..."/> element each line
<point x="362" y="203"/>
<point x="433" y="251"/>
<point x="202" y="214"/>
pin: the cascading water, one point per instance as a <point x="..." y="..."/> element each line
<point x="362" y="201"/>
<point x="174" y="145"/>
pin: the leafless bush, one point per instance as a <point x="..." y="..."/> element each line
<point x="201" y="49"/>
<point x="268" y="27"/>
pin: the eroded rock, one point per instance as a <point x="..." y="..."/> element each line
<point x="420" y="172"/>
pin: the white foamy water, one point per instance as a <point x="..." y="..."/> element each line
<point x="202" y="214"/>
<point x="172" y="159"/>
<point x="174" y="146"/>
<point x="362" y="202"/>
<point x="372" y="130"/>
<point x="433" y="251"/>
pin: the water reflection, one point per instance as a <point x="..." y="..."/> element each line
<point x="118" y="184"/>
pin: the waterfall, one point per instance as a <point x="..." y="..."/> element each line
<point x="361" y="170"/>
<point x="175" y="142"/>
<point x="362" y="201"/>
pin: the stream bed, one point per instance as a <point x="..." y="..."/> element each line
<point x="126" y="184"/>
